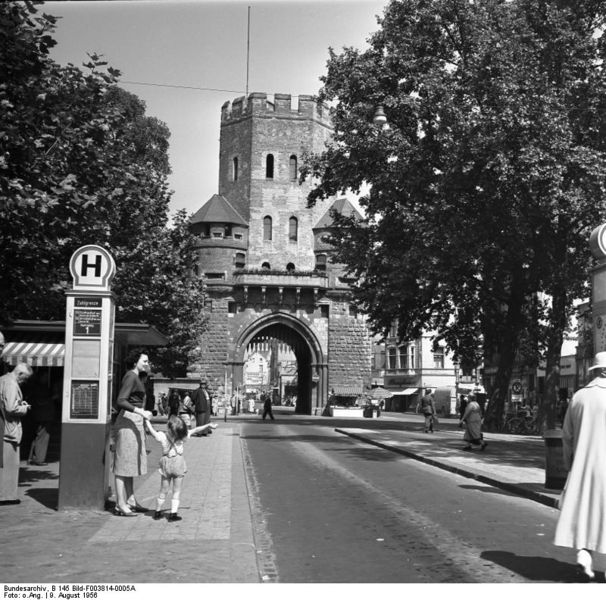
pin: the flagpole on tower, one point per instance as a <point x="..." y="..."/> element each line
<point x="247" y="50"/>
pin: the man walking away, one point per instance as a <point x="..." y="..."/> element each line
<point x="267" y="407"/>
<point x="428" y="409"/>
<point x="582" y="522"/>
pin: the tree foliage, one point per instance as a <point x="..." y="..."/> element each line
<point x="485" y="187"/>
<point x="81" y="163"/>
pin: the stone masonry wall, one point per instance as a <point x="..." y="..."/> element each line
<point x="215" y="341"/>
<point x="349" y="347"/>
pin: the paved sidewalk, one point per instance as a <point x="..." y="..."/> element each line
<point x="512" y="462"/>
<point x="214" y="543"/>
<point x="221" y="537"/>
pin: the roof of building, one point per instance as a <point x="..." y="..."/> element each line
<point x="344" y="207"/>
<point x="218" y="210"/>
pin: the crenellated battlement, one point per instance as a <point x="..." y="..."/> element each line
<point x="257" y="104"/>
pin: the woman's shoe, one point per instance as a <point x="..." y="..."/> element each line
<point x="122" y="513"/>
<point x="174" y="517"/>
<point x="584" y="564"/>
<point x="467" y="448"/>
<point x="137" y="508"/>
<point x="484" y="444"/>
<point x="157" y="515"/>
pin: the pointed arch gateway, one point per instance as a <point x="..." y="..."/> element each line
<point x="312" y="381"/>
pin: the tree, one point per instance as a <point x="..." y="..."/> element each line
<point x="81" y="163"/>
<point x="484" y="188"/>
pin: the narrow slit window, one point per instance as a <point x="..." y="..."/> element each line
<point x="269" y="166"/>
<point x="293" y="168"/>
<point x="293" y="229"/>
<point x="235" y="168"/>
<point x="267" y="233"/>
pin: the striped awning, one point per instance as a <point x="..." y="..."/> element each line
<point x="347" y="390"/>
<point x="36" y="354"/>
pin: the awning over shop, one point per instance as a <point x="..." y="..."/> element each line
<point x="37" y="354"/>
<point x="404" y="392"/>
<point x="347" y="390"/>
<point x="380" y="393"/>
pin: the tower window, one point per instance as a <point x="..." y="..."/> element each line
<point x="240" y="260"/>
<point x="290" y="267"/>
<point x="267" y="233"/>
<point x="321" y="262"/>
<point x="293" y="168"/>
<point x="228" y="231"/>
<point x="235" y="168"/>
<point x="293" y="229"/>
<point x="266" y="265"/>
<point x="269" y="166"/>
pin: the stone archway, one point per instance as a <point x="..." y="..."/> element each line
<point x="312" y="392"/>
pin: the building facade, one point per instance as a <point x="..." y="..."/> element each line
<point x="405" y="369"/>
<point x="265" y="258"/>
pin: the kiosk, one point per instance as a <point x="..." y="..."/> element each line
<point x="87" y="380"/>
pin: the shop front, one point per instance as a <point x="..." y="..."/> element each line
<point x="41" y="344"/>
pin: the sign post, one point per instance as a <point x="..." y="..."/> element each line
<point x="87" y="380"/>
<point x="597" y="244"/>
<point x="516" y="391"/>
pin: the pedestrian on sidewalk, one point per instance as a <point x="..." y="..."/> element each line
<point x="582" y="522"/>
<point x="267" y="409"/>
<point x="172" y="464"/>
<point x="174" y="401"/>
<point x="130" y="456"/>
<point x="201" y="402"/>
<point x="45" y="404"/>
<point x="12" y="409"/>
<point x="472" y="420"/>
<point x="462" y="406"/>
<point x="186" y="410"/>
<point x="428" y="409"/>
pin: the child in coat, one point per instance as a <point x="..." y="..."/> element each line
<point x="172" y="464"/>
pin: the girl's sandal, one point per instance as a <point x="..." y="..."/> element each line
<point x="121" y="513"/>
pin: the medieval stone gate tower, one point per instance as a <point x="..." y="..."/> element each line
<point x="265" y="259"/>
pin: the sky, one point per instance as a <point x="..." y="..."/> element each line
<point x="193" y="44"/>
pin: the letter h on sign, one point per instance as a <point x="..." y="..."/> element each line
<point x="86" y="265"/>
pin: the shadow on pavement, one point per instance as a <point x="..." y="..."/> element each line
<point x="48" y="497"/>
<point x="535" y="568"/>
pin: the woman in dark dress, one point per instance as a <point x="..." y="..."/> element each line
<point x="130" y="458"/>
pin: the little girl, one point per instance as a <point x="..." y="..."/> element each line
<point x="172" y="464"/>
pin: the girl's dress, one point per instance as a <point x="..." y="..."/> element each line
<point x="172" y="463"/>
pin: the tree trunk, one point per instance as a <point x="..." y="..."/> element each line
<point x="495" y="410"/>
<point x="506" y="346"/>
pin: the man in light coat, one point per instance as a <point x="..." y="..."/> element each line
<point x="582" y="522"/>
<point x="12" y="409"/>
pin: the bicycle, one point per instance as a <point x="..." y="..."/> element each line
<point x="520" y="425"/>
